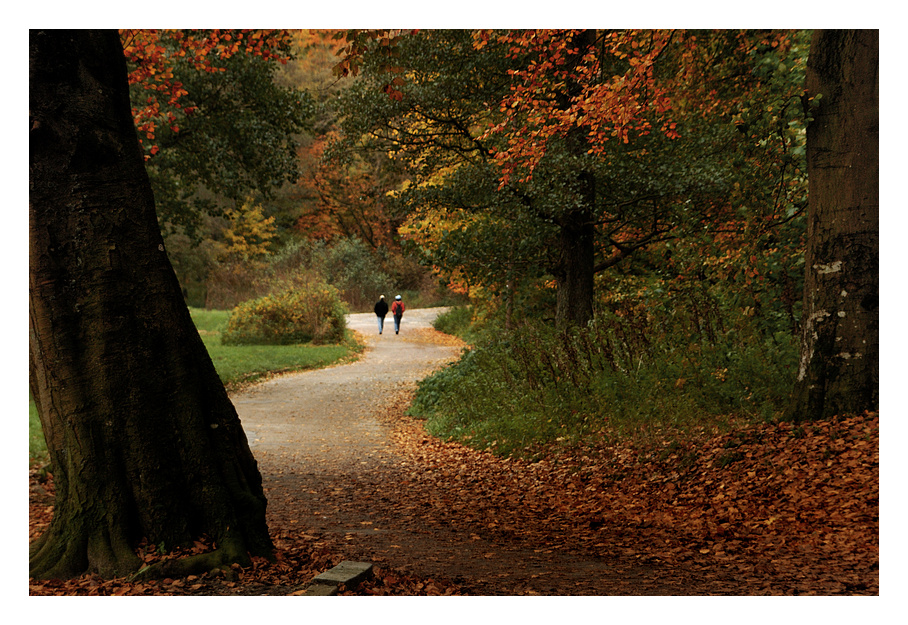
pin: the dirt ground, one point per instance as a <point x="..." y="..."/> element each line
<point x="336" y="457"/>
<point x="767" y="509"/>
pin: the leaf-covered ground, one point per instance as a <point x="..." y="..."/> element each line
<point x="765" y="510"/>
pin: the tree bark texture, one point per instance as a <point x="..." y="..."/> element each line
<point x="839" y="367"/>
<point x="576" y="270"/>
<point x="144" y="441"/>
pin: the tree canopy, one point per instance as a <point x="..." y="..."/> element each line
<point x="215" y="124"/>
<point x="519" y="155"/>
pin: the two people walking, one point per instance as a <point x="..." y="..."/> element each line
<point x="397" y="310"/>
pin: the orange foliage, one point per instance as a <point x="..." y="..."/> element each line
<point x="562" y="88"/>
<point x="150" y="54"/>
<point x="349" y="199"/>
<point x="606" y="108"/>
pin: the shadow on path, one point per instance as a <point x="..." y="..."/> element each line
<point x="334" y="470"/>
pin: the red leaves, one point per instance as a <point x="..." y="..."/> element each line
<point x="766" y="509"/>
<point x="393" y="93"/>
<point x="794" y="505"/>
<point x="558" y="71"/>
<point x="357" y="43"/>
<point x="385" y="582"/>
<point x="151" y="53"/>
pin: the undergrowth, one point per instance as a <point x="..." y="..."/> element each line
<point x="458" y="321"/>
<point x="624" y="375"/>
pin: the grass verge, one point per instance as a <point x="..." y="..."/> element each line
<point x="515" y="392"/>
<point x="237" y="365"/>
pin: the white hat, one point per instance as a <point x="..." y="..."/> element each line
<point x="398" y="297"/>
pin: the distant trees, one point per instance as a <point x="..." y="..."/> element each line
<point x="342" y="194"/>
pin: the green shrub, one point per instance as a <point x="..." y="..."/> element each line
<point x="457" y="321"/>
<point x="302" y="313"/>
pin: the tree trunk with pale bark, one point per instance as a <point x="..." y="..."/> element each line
<point x="839" y="368"/>
<point x="143" y="439"/>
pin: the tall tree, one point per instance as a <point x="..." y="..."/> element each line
<point x="561" y="141"/>
<point x="839" y="370"/>
<point x="143" y="439"/>
<point x="215" y="123"/>
<point x="575" y="270"/>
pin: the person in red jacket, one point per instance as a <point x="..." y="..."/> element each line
<point x="397" y="309"/>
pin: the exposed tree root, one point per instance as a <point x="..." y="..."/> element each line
<point x="232" y="551"/>
<point x="66" y="551"/>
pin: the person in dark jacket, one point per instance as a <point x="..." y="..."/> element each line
<point x="397" y="309"/>
<point x="381" y="309"/>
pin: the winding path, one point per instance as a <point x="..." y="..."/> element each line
<point x="333" y="473"/>
<point x="328" y="419"/>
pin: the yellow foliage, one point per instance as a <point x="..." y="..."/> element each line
<point x="298" y="313"/>
<point x="248" y="237"/>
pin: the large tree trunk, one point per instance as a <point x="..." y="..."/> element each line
<point x="839" y="370"/>
<point x="143" y="440"/>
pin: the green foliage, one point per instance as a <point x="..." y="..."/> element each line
<point x="359" y="273"/>
<point x="240" y="139"/>
<point x="300" y="313"/>
<point x="356" y="271"/>
<point x="738" y="169"/>
<point x="456" y="219"/>
<point x="457" y="321"/>
<point x="624" y="374"/>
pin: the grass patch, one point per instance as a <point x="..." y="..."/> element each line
<point x="37" y="447"/>
<point x="236" y="365"/>
<point x="209" y="321"/>
<point x="241" y="364"/>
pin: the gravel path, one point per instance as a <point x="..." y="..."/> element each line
<point x="327" y="420"/>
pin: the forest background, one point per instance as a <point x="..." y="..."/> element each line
<point x="632" y="249"/>
<point x="222" y="252"/>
